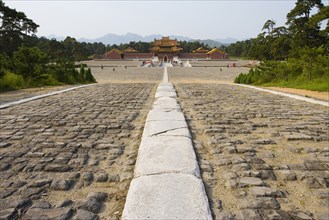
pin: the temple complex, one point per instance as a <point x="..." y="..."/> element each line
<point x="165" y="50"/>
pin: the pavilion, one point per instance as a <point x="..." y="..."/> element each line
<point x="165" y="50"/>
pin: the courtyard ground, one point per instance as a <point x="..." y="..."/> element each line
<point x="261" y="155"/>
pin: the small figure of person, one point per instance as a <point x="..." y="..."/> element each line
<point x="113" y="69"/>
<point x="220" y="69"/>
<point x="102" y="66"/>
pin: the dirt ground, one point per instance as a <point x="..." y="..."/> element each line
<point x="324" y="96"/>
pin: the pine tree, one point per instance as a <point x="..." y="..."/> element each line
<point x="82" y="73"/>
<point x="89" y="77"/>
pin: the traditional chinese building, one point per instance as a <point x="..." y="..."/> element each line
<point x="165" y="49"/>
<point x="114" y="54"/>
<point x="200" y="50"/>
<point x="217" y="54"/>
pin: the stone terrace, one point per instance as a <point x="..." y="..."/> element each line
<point x="71" y="154"/>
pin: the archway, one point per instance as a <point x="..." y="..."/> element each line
<point x="165" y="59"/>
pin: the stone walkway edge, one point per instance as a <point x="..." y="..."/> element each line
<point x="6" y="105"/>
<point x="311" y="100"/>
<point x="166" y="183"/>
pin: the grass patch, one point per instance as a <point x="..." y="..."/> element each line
<point x="320" y="85"/>
<point x="11" y="81"/>
<point x="294" y="73"/>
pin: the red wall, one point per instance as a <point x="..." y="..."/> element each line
<point x="113" y="55"/>
<point x="193" y="56"/>
<point x="117" y="56"/>
<point x="138" y="55"/>
<point x="162" y="55"/>
<point x="216" y="55"/>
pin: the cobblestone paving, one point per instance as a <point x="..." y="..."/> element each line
<point x="71" y="155"/>
<point x="261" y="156"/>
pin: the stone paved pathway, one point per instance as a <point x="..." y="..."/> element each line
<point x="262" y="156"/>
<point x="73" y="154"/>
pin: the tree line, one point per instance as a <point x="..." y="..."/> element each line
<point x="295" y="55"/>
<point x="29" y="61"/>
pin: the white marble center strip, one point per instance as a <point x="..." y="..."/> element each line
<point x="167" y="183"/>
<point x="6" y="105"/>
<point x="288" y="95"/>
<point x="165" y="75"/>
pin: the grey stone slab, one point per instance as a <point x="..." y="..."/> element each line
<point x="251" y="181"/>
<point x="166" y="103"/>
<point x="160" y="115"/>
<point x="165" y="75"/>
<point x="166" y="94"/>
<point x="166" y="85"/>
<point x="166" y="196"/>
<point x="166" y="155"/>
<point x="166" y="128"/>
<point x="165" y="89"/>
<point x="55" y="213"/>
<point x="265" y="192"/>
<point x="169" y="84"/>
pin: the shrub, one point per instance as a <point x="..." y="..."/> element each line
<point x="89" y="77"/>
<point x="82" y="73"/>
<point x="238" y="79"/>
<point x="12" y="81"/>
<point x="49" y="80"/>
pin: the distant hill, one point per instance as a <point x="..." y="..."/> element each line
<point x="59" y="38"/>
<point x="118" y="39"/>
<point x="228" y="40"/>
<point x="211" y="43"/>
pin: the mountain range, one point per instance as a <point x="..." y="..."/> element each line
<point x="118" y="39"/>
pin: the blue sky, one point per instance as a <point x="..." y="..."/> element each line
<point x="195" y="19"/>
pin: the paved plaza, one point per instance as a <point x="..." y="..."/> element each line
<point x="73" y="155"/>
<point x="57" y="151"/>
<point x="261" y="155"/>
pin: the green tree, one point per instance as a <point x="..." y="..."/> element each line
<point x="30" y="63"/>
<point x="89" y="77"/>
<point x="82" y="73"/>
<point x="317" y="19"/>
<point x="15" y="27"/>
<point x="4" y="64"/>
<point x="269" y="26"/>
<point x="304" y="32"/>
<point x="310" y="56"/>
